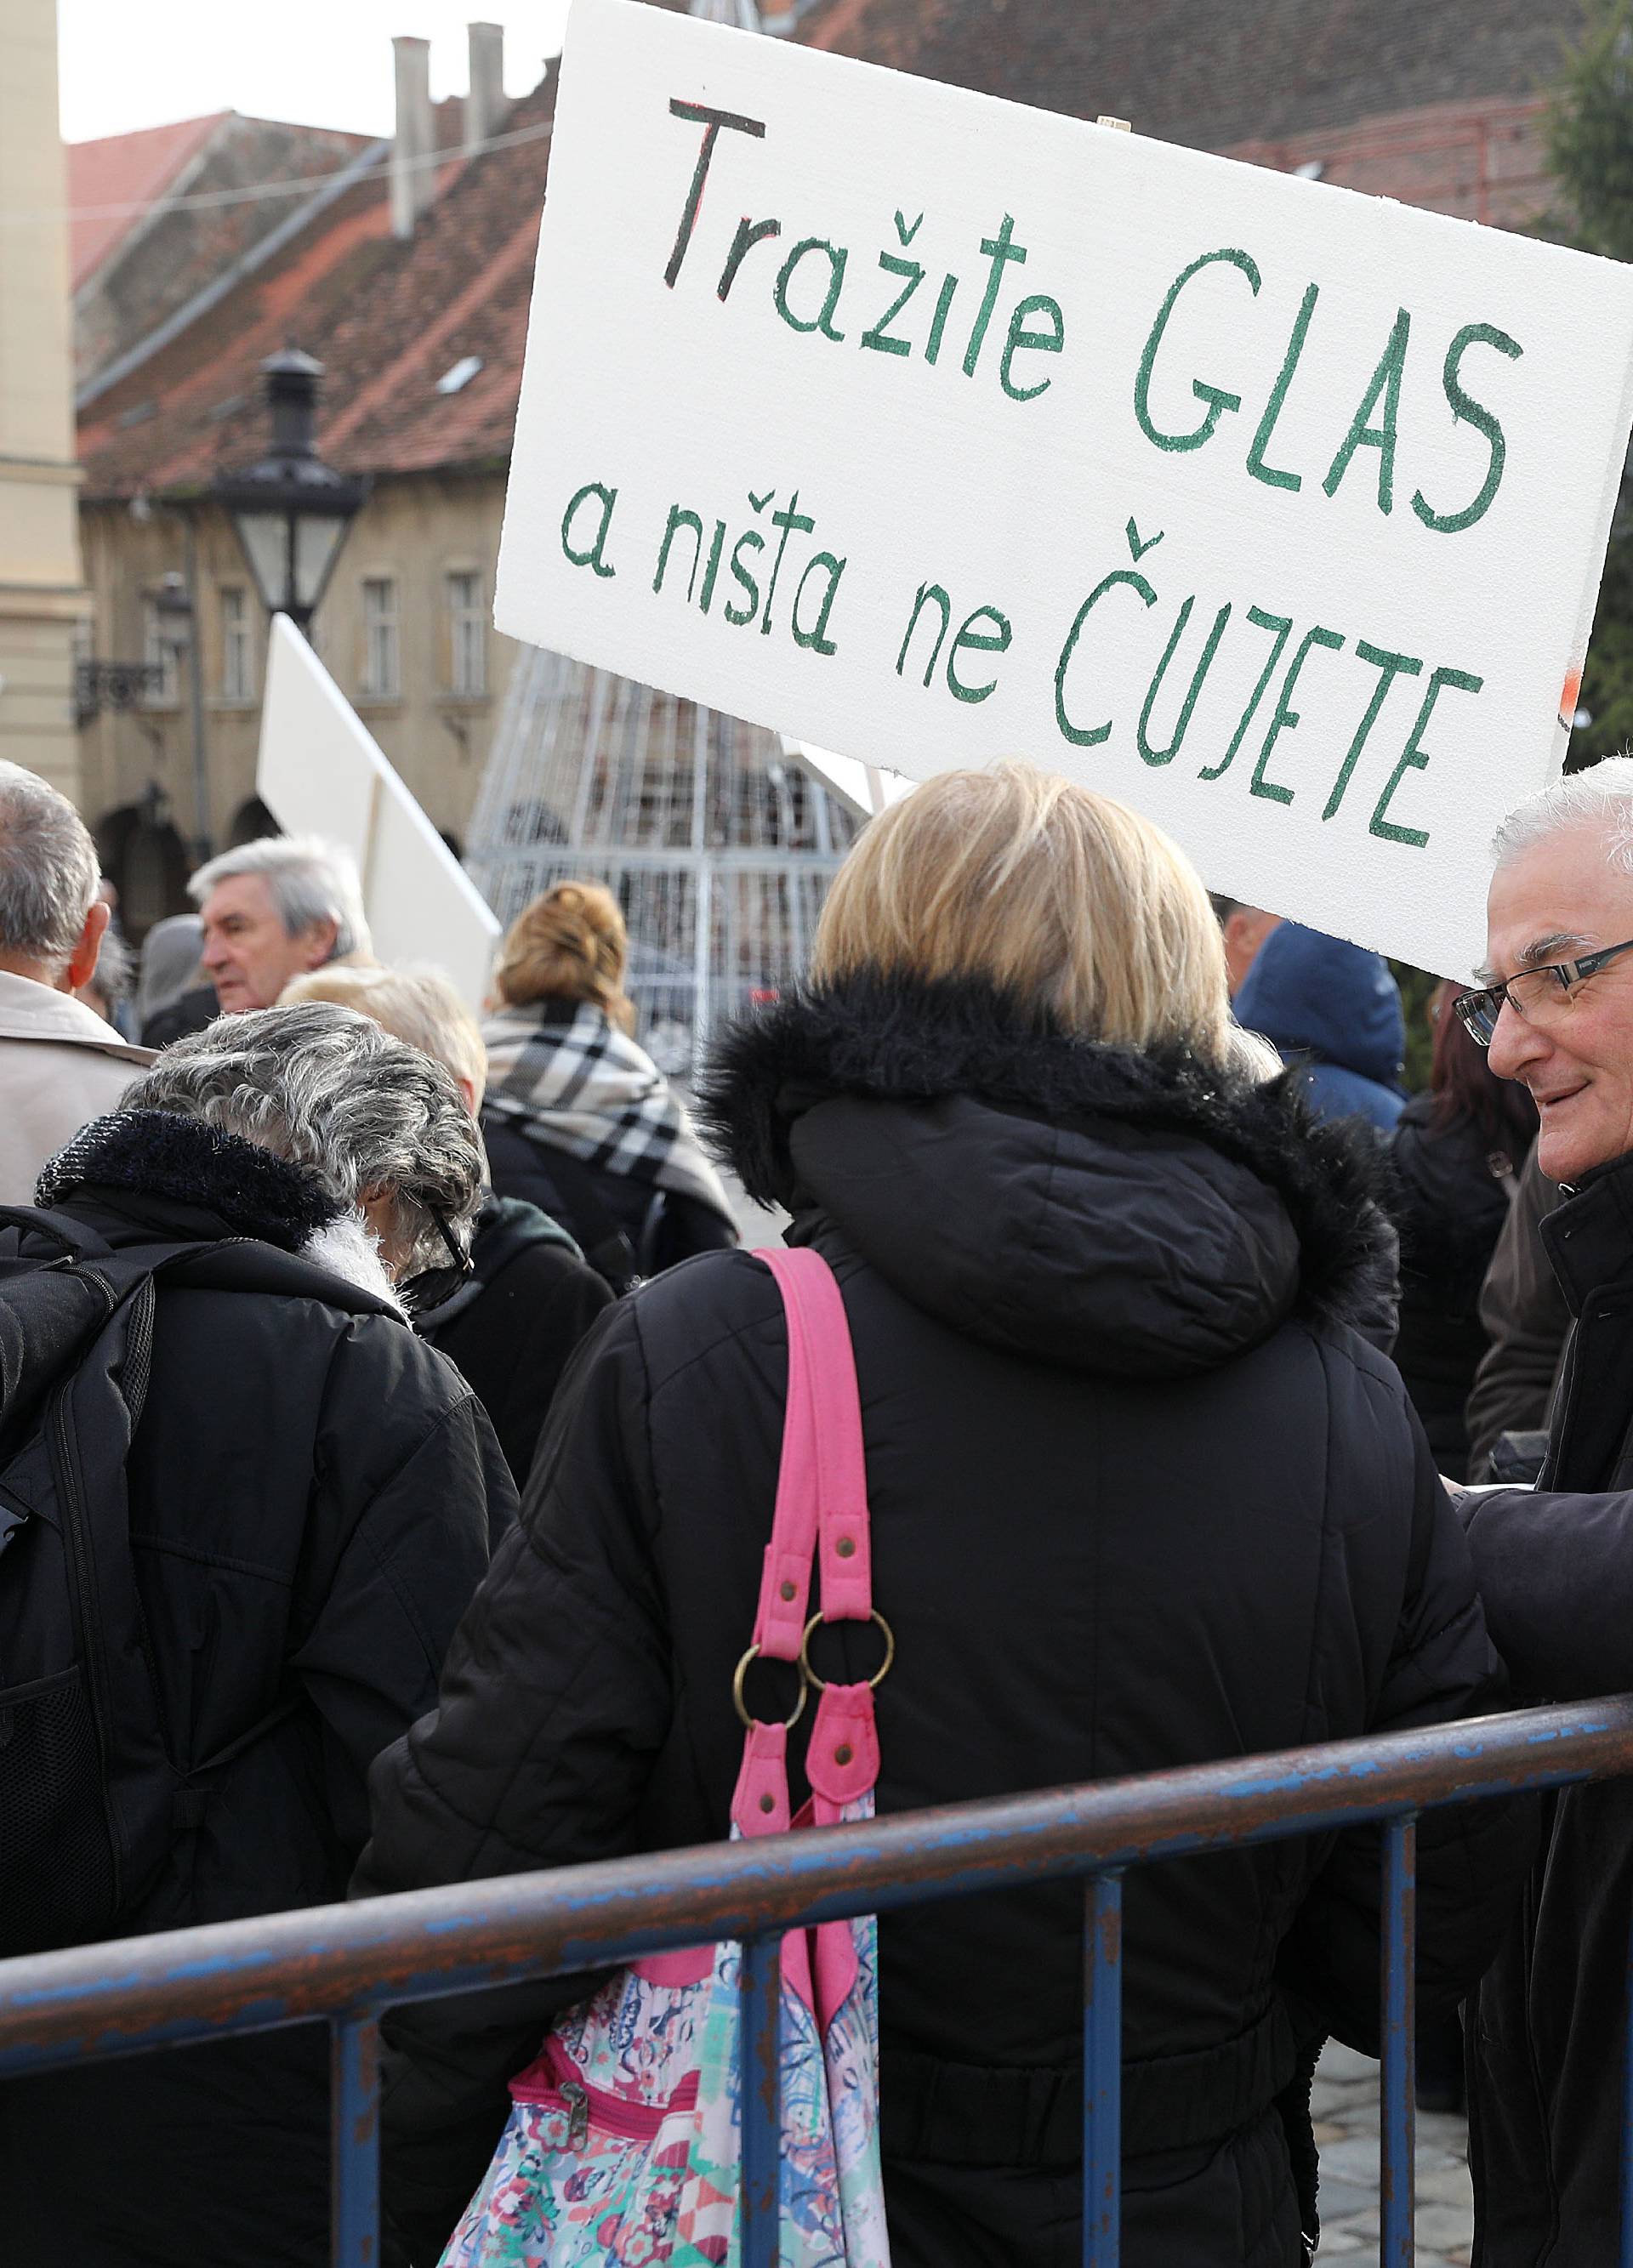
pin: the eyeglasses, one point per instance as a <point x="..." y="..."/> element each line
<point x="434" y="1285"/>
<point x="1533" y="993"/>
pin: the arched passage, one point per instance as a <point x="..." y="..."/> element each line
<point x="251" y="821"/>
<point x="147" y="861"/>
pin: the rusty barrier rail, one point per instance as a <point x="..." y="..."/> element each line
<point x="348" y="1963"/>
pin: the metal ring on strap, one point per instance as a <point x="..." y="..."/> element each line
<point x="742" y="1706"/>
<point x="879" y="1676"/>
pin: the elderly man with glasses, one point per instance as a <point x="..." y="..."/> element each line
<point x="1555" y="1565"/>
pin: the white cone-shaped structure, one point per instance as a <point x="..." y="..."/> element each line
<point x="719" y="846"/>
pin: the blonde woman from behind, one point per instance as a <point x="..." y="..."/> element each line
<point x="1140" y="1495"/>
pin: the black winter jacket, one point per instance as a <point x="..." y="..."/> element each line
<point x="1450" y="1202"/>
<point x="592" y="1203"/>
<point x="1555" y="1569"/>
<point x="1139" y="1499"/>
<point x="1526" y="1322"/>
<point x="511" y="1329"/>
<point x="189" y="1012"/>
<point x="311" y="1494"/>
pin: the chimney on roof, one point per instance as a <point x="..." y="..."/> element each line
<point x="485" y="104"/>
<point x="413" y="176"/>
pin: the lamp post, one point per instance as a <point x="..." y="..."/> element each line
<point x="291" y="511"/>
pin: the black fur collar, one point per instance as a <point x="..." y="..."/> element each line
<point x="159" y="1153"/>
<point x="899" y="1039"/>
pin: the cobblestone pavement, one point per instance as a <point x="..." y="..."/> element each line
<point x="1345" y="2104"/>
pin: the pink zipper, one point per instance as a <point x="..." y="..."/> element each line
<point x="555" y="2083"/>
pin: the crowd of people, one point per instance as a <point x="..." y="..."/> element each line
<point x="438" y="1423"/>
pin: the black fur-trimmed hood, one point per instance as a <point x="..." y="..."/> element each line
<point x="158" y="1154"/>
<point x="1116" y="1210"/>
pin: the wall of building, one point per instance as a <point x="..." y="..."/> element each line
<point x="40" y="594"/>
<point x="415" y="535"/>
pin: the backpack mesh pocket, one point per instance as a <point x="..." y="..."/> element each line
<point x="56" y="1861"/>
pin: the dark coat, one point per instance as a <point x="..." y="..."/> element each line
<point x="1526" y="1322"/>
<point x="511" y="1329"/>
<point x="1450" y="1201"/>
<point x="1140" y="1497"/>
<point x="1334" y="1010"/>
<point x="663" y="1226"/>
<point x="189" y="1012"/>
<point x="311" y="1494"/>
<point x="1555" y="1570"/>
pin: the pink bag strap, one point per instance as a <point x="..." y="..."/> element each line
<point x="822" y="1484"/>
<point x="821" y="1518"/>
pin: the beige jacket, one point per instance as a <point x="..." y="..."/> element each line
<point x="60" y="1064"/>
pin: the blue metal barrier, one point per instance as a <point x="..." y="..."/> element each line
<point x="348" y="1963"/>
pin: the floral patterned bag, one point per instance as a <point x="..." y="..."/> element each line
<point x="623" y="2146"/>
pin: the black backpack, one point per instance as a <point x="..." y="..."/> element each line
<point x="91" y="1805"/>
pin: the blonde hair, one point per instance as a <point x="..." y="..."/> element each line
<point x="1251" y="1054"/>
<point x="419" y="1006"/>
<point x="569" y="945"/>
<point x="1083" y="912"/>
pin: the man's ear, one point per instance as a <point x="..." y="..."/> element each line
<point x="318" y="942"/>
<point x="81" y="960"/>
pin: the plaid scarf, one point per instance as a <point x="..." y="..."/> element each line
<point x="564" y="1069"/>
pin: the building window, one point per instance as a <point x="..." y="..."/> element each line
<point x="159" y="652"/>
<point x="467" y="635"/>
<point x="238" y="667"/>
<point x="382" y="651"/>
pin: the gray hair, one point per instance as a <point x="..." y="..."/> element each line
<point x="1601" y="797"/>
<point x="114" y="974"/>
<point x="418" y="1004"/>
<point x="329" y="1090"/>
<point x="311" y="881"/>
<point x="1251" y="1054"/>
<point x="48" y="870"/>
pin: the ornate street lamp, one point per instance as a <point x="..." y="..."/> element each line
<point x="291" y="511"/>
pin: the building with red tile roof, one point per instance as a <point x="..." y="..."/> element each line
<point x="113" y="181"/>
<point x="421" y="335"/>
<point x="1219" y="76"/>
<point x="1434" y="103"/>
<point x="157" y="215"/>
<point x="386" y="317"/>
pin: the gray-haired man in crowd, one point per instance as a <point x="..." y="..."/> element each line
<point x="274" y="910"/>
<point x="1554" y="1567"/>
<point x="60" y="1063"/>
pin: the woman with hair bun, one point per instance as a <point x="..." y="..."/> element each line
<point x="579" y="1120"/>
<point x="1140" y="1496"/>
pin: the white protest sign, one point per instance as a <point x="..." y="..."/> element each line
<point x="321" y="772"/>
<point x="866" y="790"/>
<point x="928" y="428"/>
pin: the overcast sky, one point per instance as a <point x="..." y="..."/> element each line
<point x="322" y="63"/>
